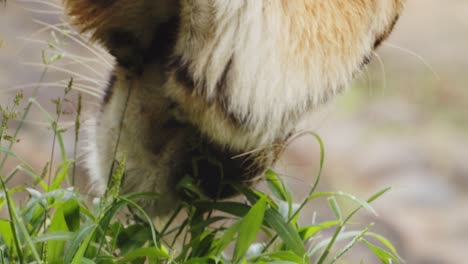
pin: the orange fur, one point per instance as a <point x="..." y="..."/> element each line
<point x="236" y="76"/>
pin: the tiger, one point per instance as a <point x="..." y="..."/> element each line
<point x="215" y="89"/>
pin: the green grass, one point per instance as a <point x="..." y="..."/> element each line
<point x="57" y="223"/>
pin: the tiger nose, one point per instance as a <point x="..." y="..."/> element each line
<point x="213" y="167"/>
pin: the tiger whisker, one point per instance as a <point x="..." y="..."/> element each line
<point x="417" y="56"/>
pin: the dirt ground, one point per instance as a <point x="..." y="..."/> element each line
<point x="404" y="124"/>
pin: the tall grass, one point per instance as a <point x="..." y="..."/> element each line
<point x="57" y="223"/>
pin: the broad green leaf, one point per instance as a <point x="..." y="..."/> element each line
<point x="277" y="222"/>
<point x="385" y="256"/>
<point x="307" y="232"/>
<point x="384" y="241"/>
<point x="2" y="201"/>
<point x="249" y="228"/>
<point x="285" y="231"/>
<point x="55" y="249"/>
<point x="6" y="234"/>
<point x="71" y="213"/>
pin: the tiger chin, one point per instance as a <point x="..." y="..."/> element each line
<point x="215" y="88"/>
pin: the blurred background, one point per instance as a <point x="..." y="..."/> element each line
<point x="403" y="124"/>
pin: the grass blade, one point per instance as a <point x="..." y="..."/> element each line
<point x="351" y="197"/>
<point x="385" y="242"/>
<point x="351" y="244"/>
<point x="249" y="228"/>
<point x="77" y="241"/>
<point x="385" y="256"/>
<point x="285" y="231"/>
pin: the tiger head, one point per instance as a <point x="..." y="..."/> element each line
<point x="215" y="88"/>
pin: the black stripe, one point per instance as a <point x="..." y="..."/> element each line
<point x="185" y="78"/>
<point x="103" y="3"/>
<point x="386" y="33"/>
<point x="130" y="52"/>
<point x="109" y="89"/>
<point x="163" y="42"/>
<point x="365" y="61"/>
<point x="181" y="72"/>
<point x="222" y="86"/>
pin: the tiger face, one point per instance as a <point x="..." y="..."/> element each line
<point x="214" y="88"/>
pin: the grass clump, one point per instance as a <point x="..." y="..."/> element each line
<point x="58" y="224"/>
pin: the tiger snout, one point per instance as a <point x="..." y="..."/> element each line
<point x="215" y="169"/>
